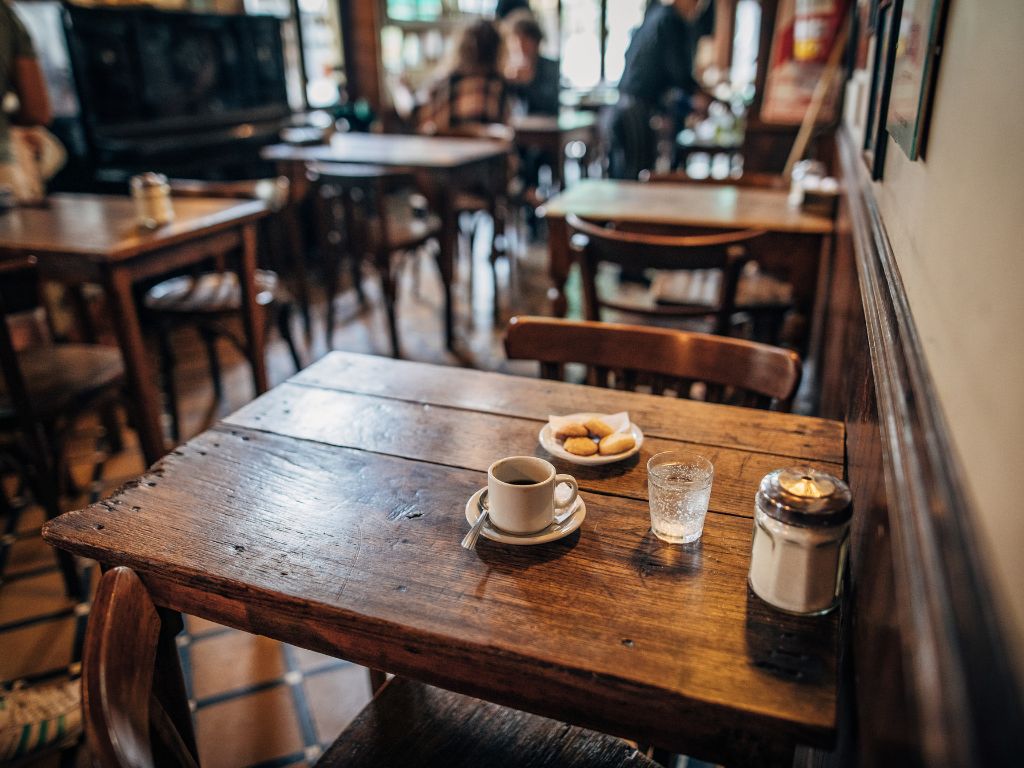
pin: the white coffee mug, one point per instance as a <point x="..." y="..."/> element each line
<point x="521" y="493"/>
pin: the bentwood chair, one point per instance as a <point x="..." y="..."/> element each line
<point x="501" y="203"/>
<point x="364" y="215"/>
<point x="129" y="718"/>
<point x="722" y="369"/>
<point x="712" y="262"/>
<point x="210" y="301"/>
<point x="47" y="387"/>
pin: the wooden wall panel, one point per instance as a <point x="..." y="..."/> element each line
<point x="929" y="674"/>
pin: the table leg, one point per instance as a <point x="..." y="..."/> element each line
<point x="559" y="264"/>
<point x="557" y="150"/>
<point x="251" y="315"/>
<point x="446" y="256"/>
<point x="141" y="378"/>
<point x="169" y="682"/>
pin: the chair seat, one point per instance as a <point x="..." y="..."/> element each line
<point x="405" y="229"/>
<point x="210" y="293"/>
<point x="412" y="724"/>
<point x="63" y="378"/>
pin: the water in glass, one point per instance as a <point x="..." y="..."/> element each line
<point x="679" y="491"/>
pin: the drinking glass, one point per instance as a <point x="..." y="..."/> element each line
<point x="679" y="488"/>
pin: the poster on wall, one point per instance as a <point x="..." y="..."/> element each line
<point x="886" y="25"/>
<point x="805" y="31"/>
<point x="913" y="72"/>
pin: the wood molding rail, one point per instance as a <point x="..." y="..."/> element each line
<point x="964" y="700"/>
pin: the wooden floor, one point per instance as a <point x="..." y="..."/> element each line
<point x="287" y="702"/>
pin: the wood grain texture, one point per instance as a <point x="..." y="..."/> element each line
<point x="408" y="723"/>
<point x="393" y="150"/>
<point x="687" y="205"/>
<point x="104" y="227"/>
<point x="346" y="543"/>
<point x="474" y="440"/>
<point x="795" y="437"/>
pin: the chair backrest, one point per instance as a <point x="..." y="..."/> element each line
<point x="723" y="251"/>
<point x="124" y="723"/>
<point x="733" y="371"/>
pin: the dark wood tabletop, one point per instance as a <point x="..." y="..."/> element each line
<point x="564" y="122"/>
<point x="395" y="150"/>
<point x="84" y="238"/>
<point x="104" y="227"/>
<point x="328" y="514"/>
<point x="690" y="205"/>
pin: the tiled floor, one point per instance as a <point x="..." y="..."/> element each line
<point x="256" y="702"/>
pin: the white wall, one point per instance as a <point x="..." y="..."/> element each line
<point x="956" y="223"/>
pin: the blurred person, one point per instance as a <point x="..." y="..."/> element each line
<point x="506" y="7"/>
<point x="471" y="89"/>
<point x="533" y="78"/>
<point x="24" y="152"/>
<point x="659" y="62"/>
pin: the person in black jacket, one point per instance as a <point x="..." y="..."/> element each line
<point x="505" y="7"/>
<point x="659" y="61"/>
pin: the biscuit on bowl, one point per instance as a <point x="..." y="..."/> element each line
<point x="580" y="446"/>
<point x="619" y="442"/>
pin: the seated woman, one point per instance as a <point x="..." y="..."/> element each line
<point x="471" y="91"/>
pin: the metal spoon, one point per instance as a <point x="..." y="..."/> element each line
<point x="469" y="542"/>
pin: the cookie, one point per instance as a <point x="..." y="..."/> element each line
<point x="570" y="429"/>
<point x="616" y="443"/>
<point x="580" y="446"/>
<point x="598" y="428"/>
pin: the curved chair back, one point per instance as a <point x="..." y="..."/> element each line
<point x="733" y="371"/>
<point x="125" y="725"/>
<point x="722" y="251"/>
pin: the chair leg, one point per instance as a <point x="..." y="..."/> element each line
<point x="390" y="290"/>
<point x="44" y="489"/>
<point x="167" y="371"/>
<point x="210" y="342"/>
<point x="112" y="427"/>
<point x="284" y="327"/>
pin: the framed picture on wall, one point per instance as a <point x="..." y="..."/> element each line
<point x="886" y="26"/>
<point x="913" y="73"/>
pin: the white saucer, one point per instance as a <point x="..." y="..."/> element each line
<point x="550" y="444"/>
<point x="552" y="533"/>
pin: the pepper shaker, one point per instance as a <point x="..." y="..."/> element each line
<point x="801" y="537"/>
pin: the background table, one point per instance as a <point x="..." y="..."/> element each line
<point x="552" y="134"/>
<point x="446" y="165"/>
<point x="79" y="238"/>
<point x="796" y="246"/>
<point x="328" y="514"/>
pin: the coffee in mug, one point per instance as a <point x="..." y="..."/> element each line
<point x="521" y="494"/>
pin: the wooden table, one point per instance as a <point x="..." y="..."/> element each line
<point x="796" y="246"/>
<point x="78" y="238"/>
<point x="446" y="166"/>
<point x="552" y="134"/>
<point x="328" y="514"/>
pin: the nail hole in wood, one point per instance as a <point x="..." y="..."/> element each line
<point x="628" y="643"/>
<point x="239" y="548"/>
<point x="98" y="526"/>
<point x="402" y="588"/>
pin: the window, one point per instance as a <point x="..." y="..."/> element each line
<point x="595" y="36"/>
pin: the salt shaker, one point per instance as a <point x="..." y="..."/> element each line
<point x="152" y="196"/>
<point x="801" y="536"/>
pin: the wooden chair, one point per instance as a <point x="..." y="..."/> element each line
<point x="128" y="720"/>
<point x="47" y="386"/>
<point x="361" y="216"/>
<point x="763" y="297"/>
<point x="733" y="371"/>
<point x="715" y="259"/>
<point x="500" y="206"/>
<point x="210" y="301"/>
